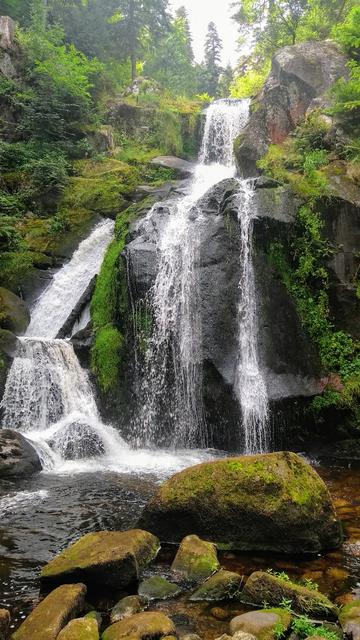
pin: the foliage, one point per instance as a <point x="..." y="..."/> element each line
<point x="304" y="628"/>
<point x="250" y="83"/>
<point x="209" y="73"/>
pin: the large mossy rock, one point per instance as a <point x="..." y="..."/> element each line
<point x="142" y="626"/>
<point x="53" y="613"/>
<point x="224" y="585"/>
<point x="265" y="587"/>
<point x="107" y="558"/>
<point x="196" y="559"/>
<point x="269" y="502"/>
<point x="267" y="624"/>
<point x="14" y="314"/>
<point x="350" y="620"/>
<point x="80" y="629"/>
<point x="17" y="456"/>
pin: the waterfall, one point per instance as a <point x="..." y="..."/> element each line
<point x="48" y="396"/>
<point x="171" y="380"/>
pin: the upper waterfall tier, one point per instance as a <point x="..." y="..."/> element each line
<point x="224" y="121"/>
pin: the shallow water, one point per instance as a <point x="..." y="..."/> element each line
<point x="40" y="516"/>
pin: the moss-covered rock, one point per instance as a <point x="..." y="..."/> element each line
<point x="264" y="625"/>
<point x="80" y="629"/>
<point x="158" y="588"/>
<point x="196" y="559"/>
<point x="273" y="502"/>
<point x="350" y="620"/>
<point x="265" y="587"/>
<point x="109" y="558"/>
<point x="126" y="607"/>
<point x="14" y="314"/>
<point x="53" y="613"/>
<point x="152" y="624"/>
<point x="224" y="585"/>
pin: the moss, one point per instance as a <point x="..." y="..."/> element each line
<point x="80" y="629"/>
<point x="196" y="559"/>
<point x="107" y="356"/>
<point x="141" y="626"/>
<point x="158" y="588"/>
<point x="223" y="585"/>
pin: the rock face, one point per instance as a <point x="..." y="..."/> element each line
<point x="14" y="315"/>
<point x="269" y="502"/>
<point x="196" y="559"/>
<point x="183" y="168"/>
<point x="53" y="613"/>
<point x="108" y="558"/>
<point x="264" y="587"/>
<point x="17" y="456"/>
<point x="299" y="74"/>
<point x="150" y="624"/>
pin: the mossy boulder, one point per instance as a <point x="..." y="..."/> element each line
<point x="126" y="607"/>
<point x="196" y="559"/>
<point x="224" y="585"/>
<point x="151" y="624"/>
<point x="158" y="588"/>
<point x="350" y="620"/>
<point x="269" y="502"/>
<point x="80" y="629"/>
<point x="265" y="587"/>
<point x="53" y="613"/>
<point x="266" y="624"/>
<point x="14" y="314"/>
<point x="108" y="558"/>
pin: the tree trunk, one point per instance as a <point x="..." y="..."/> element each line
<point x="133" y="66"/>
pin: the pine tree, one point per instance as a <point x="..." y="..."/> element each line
<point x="213" y="48"/>
<point x="182" y="13"/>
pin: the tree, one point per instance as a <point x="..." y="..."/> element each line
<point x="213" y="48"/>
<point x="182" y="13"/>
<point x="225" y="80"/>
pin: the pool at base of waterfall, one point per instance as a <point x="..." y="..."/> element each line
<point x="43" y="515"/>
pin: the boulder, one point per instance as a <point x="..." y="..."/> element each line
<point x="182" y="167"/>
<point x="299" y="74"/>
<point x="264" y="625"/>
<point x="95" y="615"/>
<point x="14" y="314"/>
<point x="53" y="613"/>
<point x="7" y="32"/>
<point x="265" y="587"/>
<point x="224" y="585"/>
<point x="126" y="607"/>
<point x="80" y="629"/>
<point x="152" y="624"/>
<point x="107" y="558"/>
<point x="350" y="620"/>
<point x="4" y="623"/>
<point x="196" y="559"/>
<point x="17" y="456"/>
<point x="8" y="343"/>
<point x="158" y="588"/>
<point x="269" y="502"/>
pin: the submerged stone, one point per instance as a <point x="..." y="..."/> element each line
<point x="80" y="629"/>
<point x="224" y="585"/>
<point x="269" y="502"/>
<point x="151" y="624"/>
<point x="158" y="588"/>
<point x="52" y="614"/>
<point x="107" y="558"/>
<point x="126" y="607"/>
<point x="265" y="587"/>
<point x="350" y="620"/>
<point x="264" y="625"/>
<point x="196" y="559"/>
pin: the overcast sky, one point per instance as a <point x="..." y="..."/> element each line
<point x="201" y="12"/>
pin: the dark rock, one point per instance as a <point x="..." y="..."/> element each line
<point x="76" y="312"/>
<point x="78" y="441"/>
<point x="15" y="315"/>
<point x="196" y="559"/>
<point x="270" y="502"/>
<point x="224" y="585"/>
<point x="17" y="456"/>
<point x="158" y="588"/>
<point x="8" y="343"/>
<point x="151" y="624"/>
<point x="4" y="623"/>
<point x="126" y="608"/>
<point x="182" y="167"/>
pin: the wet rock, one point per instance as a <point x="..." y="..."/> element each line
<point x="196" y="559"/>
<point x="95" y="615"/>
<point x="15" y="315"/>
<point x="239" y="635"/>
<point x="152" y="624"/>
<point x="17" y="455"/>
<point x="265" y="587"/>
<point x="261" y="624"/>
<point x="219" y="614"/>
<point x="4" y="623"/>
<point x="78" y="441"/>
<point x="182" y="167"/>
<point x="349" y="618"/>
<point x="53" y="613"/>
<point x="269" y="502"/>
<point x="224" y="585"/>
<point x="107" y="558"/>
<point x="8" y="343"/>
<point x="158" y="588"/>
<point x="80" y="629"/>
<point x="126" y="607"/>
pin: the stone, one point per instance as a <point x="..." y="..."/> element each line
<point x="7" y="32"/>
<point x="261" y="624"/>
<point x="80" y="629"/>
<point x="158" y="588"/>
<point x="17" y="455"/>
<point x="182" y="167"/>
<point x="349" y="618"/>
<point x="151" y="624"/>
<point x="265" y="587"/>
<point x="126" y="607"/>
<point x="223" y="585"/>
<point x="14" y="314"/>
<point x="219" y="614"/>
<point x="95" y="615"/>
<point x="269" y="502"/>
<point x="8" y="343"/>
<point x="106" y="558"/>
<point x="190" y="636"/>
<point x="239" y="635"/>
<point x="196" y="559"/>
<point x="52" y="614"/>
<point x="4" y="623"/>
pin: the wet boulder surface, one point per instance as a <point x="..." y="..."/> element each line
<point x="18" y="458"/>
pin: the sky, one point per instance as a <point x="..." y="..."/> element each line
<point x="201" y="12"/>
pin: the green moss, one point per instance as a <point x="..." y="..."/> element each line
<point x="107" y="356"/>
